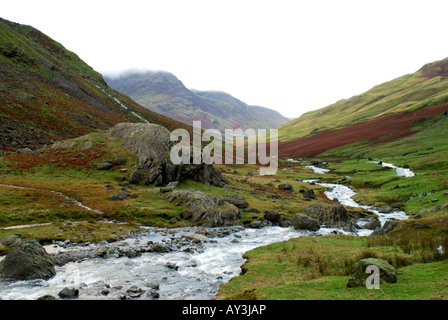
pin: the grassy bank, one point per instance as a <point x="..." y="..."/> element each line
<point x="319" y="268"/>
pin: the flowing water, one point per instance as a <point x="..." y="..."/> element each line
<point x="183" y="273"/>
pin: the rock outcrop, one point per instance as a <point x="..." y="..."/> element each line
<point x="152" y="146"/>
<point x="334" y="216"/>
<point x="28" y="261"/>
<point x="207" y="210"/>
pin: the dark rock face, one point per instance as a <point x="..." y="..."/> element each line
<point x="28" y="261"/>
<point x="151" y="144"/>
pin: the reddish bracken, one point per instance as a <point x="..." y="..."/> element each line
<point x="384" y="129"/>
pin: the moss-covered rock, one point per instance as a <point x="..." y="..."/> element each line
<point x="358" y="278"/>
<point x="26" y="262"/>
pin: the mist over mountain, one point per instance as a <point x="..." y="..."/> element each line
<point x="164" y="93"/>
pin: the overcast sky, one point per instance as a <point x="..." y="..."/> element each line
<point x="292" y="56"/>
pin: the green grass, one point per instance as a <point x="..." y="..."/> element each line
<point x="408" y="92"/>
<point x="425" y="153"/>
<point x="319" y="269"/>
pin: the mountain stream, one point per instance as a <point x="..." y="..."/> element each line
<point x="189" y="270"/>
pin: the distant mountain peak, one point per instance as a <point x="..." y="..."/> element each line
<point x="164" y="93"/>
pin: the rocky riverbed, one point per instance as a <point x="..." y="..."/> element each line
<point x="160" y="263"/>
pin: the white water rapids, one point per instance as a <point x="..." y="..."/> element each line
<point x="197" y="273"/>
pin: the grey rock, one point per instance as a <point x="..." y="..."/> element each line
<point x="255" y="224"/>
<point x="302" y="221"/>
<point x="152" y="145"/>
<point x="105" y="165"/>
<point x="171" y="265"/>
<point x="136" y="177"/>
<point x="309" y="194"/>
<point x="389" y="226"/>
<point x="385" y="209"/>
<point x="272" y="215"/>
<point x="209" y="210"/>
<point x="285" y="186"/>
<point x="374" y="223"/>
<point x="28" y="261"/>
<point x="153" y="285"/>
<point x="358" y="277"/>
<point x="334" y="216"/>
<point x="11" y="241"/>
<point x="419" y="225"/>
<point x="160" y="247"/>
<point x="69" y="293"/>
<point x="121" y="195"/>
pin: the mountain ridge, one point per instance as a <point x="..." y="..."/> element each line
<point x="164" y="93"/>
<point x="427" y="86"/>
<point x="47" y="93"/>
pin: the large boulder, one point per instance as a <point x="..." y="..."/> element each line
<point x="28" y="261"/>
<point x="207" y="210"/>
<point x="302" y="221"/>
<point x="272" y="215"/>
<point x="152" y="146"/>
<point x="333" y="216"/>
<point x="358" y="277"/>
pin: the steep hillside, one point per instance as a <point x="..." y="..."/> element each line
<point x="162" y="92"/>
<point x="426" y="87"/>
<point x="48" y="93"/>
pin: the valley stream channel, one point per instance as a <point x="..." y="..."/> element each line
<point x="186" y="270"/>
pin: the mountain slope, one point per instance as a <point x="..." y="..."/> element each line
<point x="48" y="93"/>
<point x="162" y="92"/>
<point x="426" y="87"/>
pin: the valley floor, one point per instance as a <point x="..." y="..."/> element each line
<point x="301" y="268"/>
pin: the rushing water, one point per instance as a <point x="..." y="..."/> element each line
<point x="181" y="273"/>
<point x="400" y="172"/>
<point x="198" y="275"/>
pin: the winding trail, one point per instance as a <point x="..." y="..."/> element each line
<point x="57" y="193"/>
